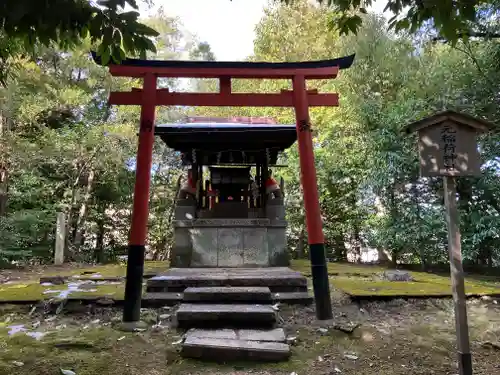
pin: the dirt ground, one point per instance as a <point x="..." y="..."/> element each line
<point x="391" y="338"/>
<point x="399" y="337"/>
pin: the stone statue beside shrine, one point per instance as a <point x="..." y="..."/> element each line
<point x="188" y="188"/>
<point x="273" y="189"/>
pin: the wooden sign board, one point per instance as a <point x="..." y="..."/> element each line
<point x="447" y="144"/>
<point x="448" y="149"/>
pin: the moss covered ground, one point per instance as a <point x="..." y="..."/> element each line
<point x="393" y="338"/>
<point x="367" y="281"/>
<point x="358" y="281"/>
<point x="33" y="291"/>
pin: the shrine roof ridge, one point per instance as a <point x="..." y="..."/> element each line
<point x="344" y="62"/>
<point x="213" y="125"/>
<point x="461" y="118"/>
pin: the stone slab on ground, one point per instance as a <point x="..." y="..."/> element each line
<point x="161" y="299"/>
<point x="99" y="278"/>
<point x="272" y="335"/>
<point x="227" y="294"/>
<point x="55" y="280"/>
<point x="223" y="333"/>
<point x="293" y="298"/>
<point x="224" y="350"/>
<point x="196" y="315"/>
<point x="397" y="275"/>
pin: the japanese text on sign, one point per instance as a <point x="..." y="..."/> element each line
<point x="449" y="139"/>
<point x="304" y="126"/>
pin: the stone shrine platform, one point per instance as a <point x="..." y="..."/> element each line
<point x="284" y="284"/>
<point x="229" y="242"/>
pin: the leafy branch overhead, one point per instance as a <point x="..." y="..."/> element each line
<point x="69" y="22"/>
<point x="452" y="19"/>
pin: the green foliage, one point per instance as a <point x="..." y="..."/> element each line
<point x="453" y="20"/>
<point x="26" y="236"/>
<point x="65" y="150"/>
<point x="68" y="23"/>
<point x="370" y="191"/>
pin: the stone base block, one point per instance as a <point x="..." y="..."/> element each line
<point x="228" y="294"/>
<point x="224" y="350"/>
<point x="202" y="315"/>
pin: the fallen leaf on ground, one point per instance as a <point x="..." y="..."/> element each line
<point x="291" y="340"/>
<point x="491" y="345"/>
<point x="350" y="356"/>
<point x="346" y="328"/>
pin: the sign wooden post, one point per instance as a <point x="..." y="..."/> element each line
<point x="457" y="276"/>
<point x="448" y="147"/>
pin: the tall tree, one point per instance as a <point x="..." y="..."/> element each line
<point x="452" y="19"/>
<point x="69" y="22"/>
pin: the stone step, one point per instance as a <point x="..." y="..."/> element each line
<point x="273" y="335"/>
<point x="229" y="315"/>
<point x="228" y="294"/>
<point x="225" y="350"/>
<point x="277" y="279"/>
<point x="171" y="299"/>
<point x="161" y="299"/>
<point x="181" y="288"/>
<point x="293" y="298"/>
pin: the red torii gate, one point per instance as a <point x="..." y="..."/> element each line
<point x="299" y="98"/>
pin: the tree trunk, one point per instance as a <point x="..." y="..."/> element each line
<point x="415" y="196"/>
<point x="393" y="212"/>
<point x="69" y="222"/>
<point x="166" y="249"/>
<point x="357" y="241"/>
<point x="340" y="248"/>
<point x="101" y="231"/>
<point x="4" y="189"/>
<point x="301" y="243"/>
<point x="82" y="215"/>
<point x="356" y="245"/>
<point x="159" y="245"/>
<point x="394" y="258"/>
<point x="4" y="174"/>
<point x="383" y="258"/>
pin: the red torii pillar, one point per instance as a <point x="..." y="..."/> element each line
<point x="314" y="222"/>
<point x="140" y="210"/>
<point x="299" y="98"/>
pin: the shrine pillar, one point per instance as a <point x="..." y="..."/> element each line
<point x="319" y="270"/>
<point x="140" y="210"/>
